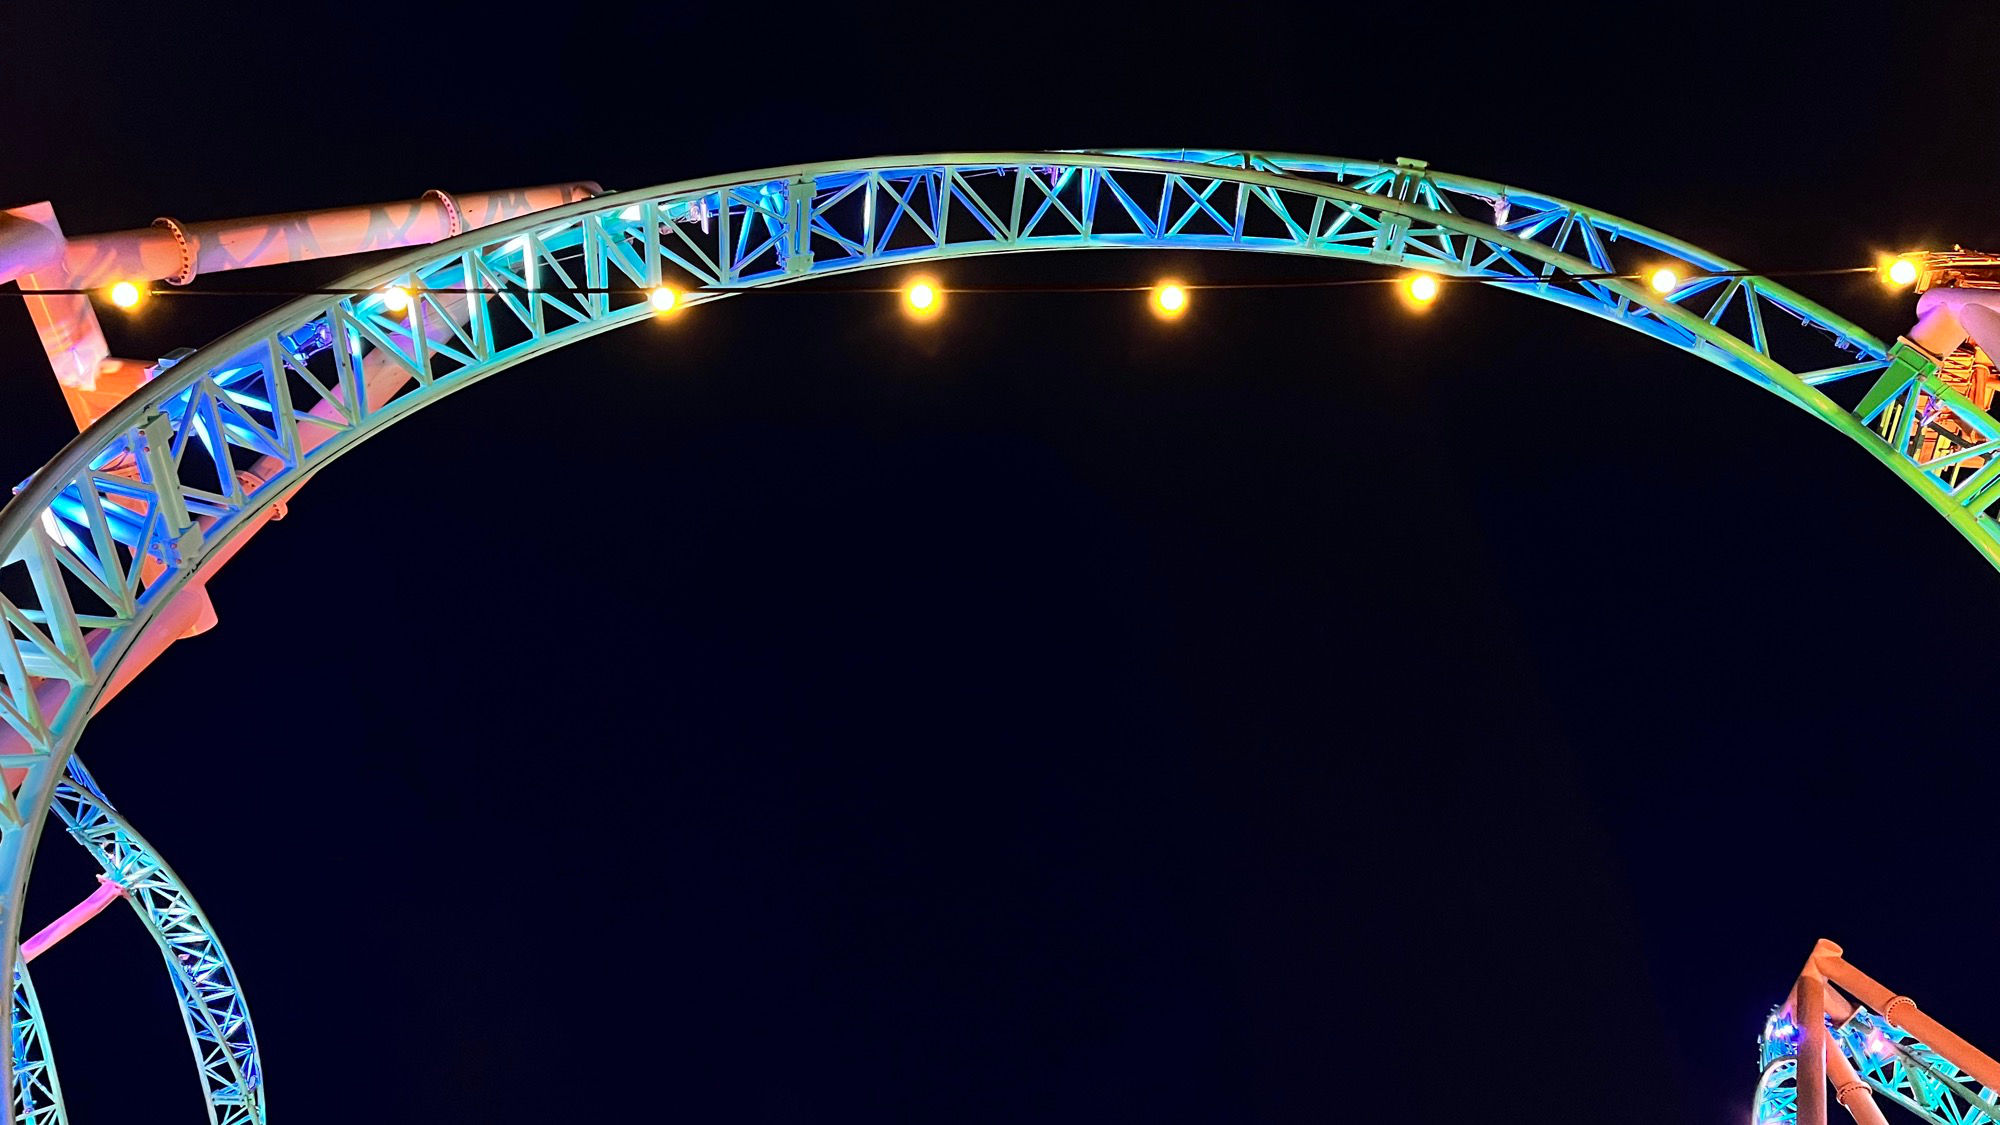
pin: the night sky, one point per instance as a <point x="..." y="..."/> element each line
<point x="1301" y="712"/>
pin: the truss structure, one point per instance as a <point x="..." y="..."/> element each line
<point x="1841" y="1030"/>
<point x="144" y="506"/>
<point x="37" y="1095"/>
<point x="212" y="1005"/>
<point x="211" y="1001"/>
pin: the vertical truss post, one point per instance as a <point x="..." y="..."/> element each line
<point x="725" y="258"/>
<point x="179" y="539"/>
<point x="1389" y="236"/>
<point x="650" y="220"/>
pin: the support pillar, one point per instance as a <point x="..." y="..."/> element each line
<point x="73" y="919"/>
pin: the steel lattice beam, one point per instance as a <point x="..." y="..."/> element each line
<point x="1892" y="1062"/>
<point x="211" y="1001"/>
<point x="37" y="1095"/>
<point x="212" y="1006"/>
<point x="164" y="487"/>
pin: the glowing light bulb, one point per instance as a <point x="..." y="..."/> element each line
<point x="922" y="297"/>
<point x="396" y="298"/>
<point x="125" y="295"/>
<point x="1170" y="300"/>
<point x="1664" y="280"/>
<point x="1902" y="272"/>
<point x="664" y="298"/>
<point x="1422" y="288"/>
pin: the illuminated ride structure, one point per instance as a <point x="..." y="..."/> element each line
<point x="1841" y="1030"/>
<point x="106" y="552"/>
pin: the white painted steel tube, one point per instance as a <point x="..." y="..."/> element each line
<point x="26" y="245"/>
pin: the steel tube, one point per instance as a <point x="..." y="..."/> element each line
<point x="1810" y="1004"/>
<point x="191" y="610"/>
<point x="381" y="377"/>
<point x="107" y="892"/>
<point x="171" y="249"/>
<point x="25" y="245"/>
<point x="1903" y="1012"/>
<point x="1941" y="325"/>
<point x="1850" y="1091"/>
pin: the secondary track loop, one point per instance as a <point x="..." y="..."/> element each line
<point x="212" y="1005"/>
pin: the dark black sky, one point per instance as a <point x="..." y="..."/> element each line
<point x="1303" y="713"/>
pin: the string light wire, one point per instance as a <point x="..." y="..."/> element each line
<point x="1289" y="283"/>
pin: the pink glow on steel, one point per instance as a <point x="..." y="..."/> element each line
<point x="106" y="893"/>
